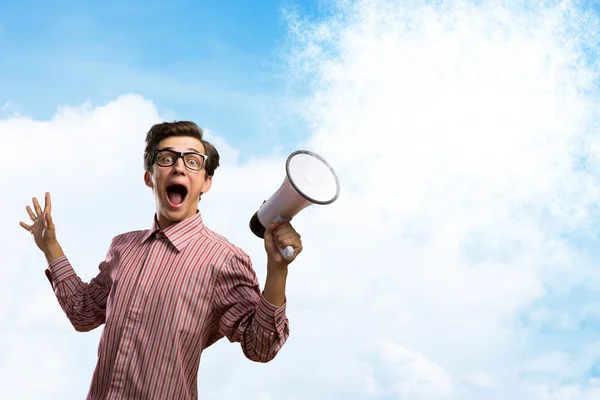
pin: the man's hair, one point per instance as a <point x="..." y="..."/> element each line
<point x="164" y="130"/>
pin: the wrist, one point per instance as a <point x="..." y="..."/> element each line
<point x="274" y="290"/>
<point x="52" y="252"/>
<point x="276" y="270"/>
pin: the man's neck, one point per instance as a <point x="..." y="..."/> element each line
<point x="163" y="222"/>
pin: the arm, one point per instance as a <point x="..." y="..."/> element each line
<point x="279" y="236"/>
<point x="245" y="315"/>
<point x="274" y="291"/>
<point x="84" y="304"/>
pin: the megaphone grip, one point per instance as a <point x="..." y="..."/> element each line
<point x="288" y="252"/>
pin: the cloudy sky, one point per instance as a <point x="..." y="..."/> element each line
<point x="461" y="258"/>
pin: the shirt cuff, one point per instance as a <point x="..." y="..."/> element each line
<point x="270" y="316"/>
<point x="59" y="270"/>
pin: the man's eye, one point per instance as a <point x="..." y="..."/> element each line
<point x="193" y="161"/>
<point x="167" y="159"/>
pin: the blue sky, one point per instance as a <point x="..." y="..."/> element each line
<point x="215" y="62"/>
<point x="458" y="129"/>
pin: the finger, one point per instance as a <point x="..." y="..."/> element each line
<point x="286" y="228"/>
<point x="281" y="235"/>
<point x="36" y="204"/>
<point x="24" y="225"/>
<point x="270" y="245"/>
<point x="47" y="204"/>
<point x="31" y="214"/>
<point x="49" y="221"/>
<point x="297" y="245"/>
<point x="270" y="231"/>
<point x="282" y="242"/>
<point x="289" y="241"/>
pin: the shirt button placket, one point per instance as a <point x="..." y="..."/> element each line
<point x="125" y="348"/>
<point x="132" y="317"/>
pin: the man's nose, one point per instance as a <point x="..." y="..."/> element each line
<point x="179" y="165"/>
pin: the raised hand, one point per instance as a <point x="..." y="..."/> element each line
<point x="42" y="228"/>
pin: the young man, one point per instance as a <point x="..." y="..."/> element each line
<point x="165" y="294"/>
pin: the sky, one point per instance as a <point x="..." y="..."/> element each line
<point x="460" y="260"/>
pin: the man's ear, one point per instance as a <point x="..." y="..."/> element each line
<point x="148" y="180"/>
<point x="207" y="184"/>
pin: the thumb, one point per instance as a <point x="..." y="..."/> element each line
<point x="269" y="235"/>
<point x="271" y="228"/>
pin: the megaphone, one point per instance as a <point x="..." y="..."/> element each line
<point x="309" y="180"/>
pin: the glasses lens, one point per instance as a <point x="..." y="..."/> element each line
<point x="194" y="161"/>
<point x="165" y="158"/>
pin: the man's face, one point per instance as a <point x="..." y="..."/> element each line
<point x="177" y="188"/>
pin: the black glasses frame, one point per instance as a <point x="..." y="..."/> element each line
<point x="178" y="155"/>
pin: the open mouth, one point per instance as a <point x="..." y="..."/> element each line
<point x="176" y="194"/>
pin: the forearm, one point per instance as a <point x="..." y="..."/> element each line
<point x="53" y="252"/>
<point x="274" y="289"/>
<point x="83" y="303"/>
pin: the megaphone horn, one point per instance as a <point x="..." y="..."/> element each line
<point x="309" y="180"/>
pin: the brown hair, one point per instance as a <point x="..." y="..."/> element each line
<point x="164" y="130"/>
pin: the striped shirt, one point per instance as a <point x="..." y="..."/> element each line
<point x="164" y="296"/>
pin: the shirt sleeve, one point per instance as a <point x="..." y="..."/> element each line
<point x="244" y="315"/>
<point x="83" y="303"/>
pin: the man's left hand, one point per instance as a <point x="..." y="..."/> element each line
<point x="279" y="235"/>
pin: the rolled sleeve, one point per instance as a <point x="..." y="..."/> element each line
<point x="244" y="315"/>
<point x="271" y="317"/>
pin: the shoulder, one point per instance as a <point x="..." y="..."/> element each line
<point x="231" y="263"/>
<point x="130" y="238"/>
<point x="222" y="245"/>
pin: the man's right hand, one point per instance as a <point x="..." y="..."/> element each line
<point x="43" y="229"/>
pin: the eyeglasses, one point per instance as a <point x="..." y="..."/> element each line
<point x="192" y="160"/>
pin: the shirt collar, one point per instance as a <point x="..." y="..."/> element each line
<point x="180" y="233"/>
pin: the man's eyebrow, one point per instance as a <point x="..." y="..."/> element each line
<point x="189" y="148"/>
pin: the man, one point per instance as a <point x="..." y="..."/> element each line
<point x="167" y="293"/>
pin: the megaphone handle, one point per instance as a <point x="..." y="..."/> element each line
<point x="288" y="251"/>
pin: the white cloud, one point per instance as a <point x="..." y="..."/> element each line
<point x="7" y="107"/>
<point x="410" y="374"/>
<point x="481" y="380"/>
<point x="589" y="391"/>
<point x="456" y="130"/>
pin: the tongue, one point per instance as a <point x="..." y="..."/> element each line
<point x="176" y="197"/>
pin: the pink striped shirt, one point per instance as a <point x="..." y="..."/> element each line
<point x="165" y="296"/>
